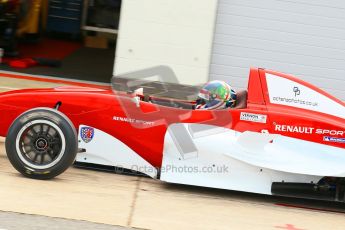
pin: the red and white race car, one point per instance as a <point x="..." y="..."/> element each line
<point x="284" y="137"/>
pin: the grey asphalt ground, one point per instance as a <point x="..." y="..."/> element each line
<point x="17" y="221"/>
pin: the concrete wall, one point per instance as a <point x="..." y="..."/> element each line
<point x="176" y="33"/>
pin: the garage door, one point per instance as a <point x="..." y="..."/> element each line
<point x="301" y="37"/>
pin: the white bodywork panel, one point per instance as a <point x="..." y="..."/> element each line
<point x="253" y="161"/>
<point x="289" y="154"/>
<point x="105" y="149"/>
<point x="215" y="157"/>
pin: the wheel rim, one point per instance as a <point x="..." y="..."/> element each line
<point x="40" y="144"/>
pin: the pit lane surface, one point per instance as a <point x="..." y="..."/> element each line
<point x="18" y="221"/>
<point x="144" y="203"/>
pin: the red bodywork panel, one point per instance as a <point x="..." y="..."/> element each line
<point x="108" y="111"/>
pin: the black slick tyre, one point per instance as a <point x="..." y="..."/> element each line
<point x="41" y="143"/>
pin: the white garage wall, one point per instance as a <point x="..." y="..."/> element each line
<point x="176" y="33"/>
<point x="302" y="37"/>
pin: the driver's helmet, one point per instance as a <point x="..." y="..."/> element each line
<point x="216" y="95"/>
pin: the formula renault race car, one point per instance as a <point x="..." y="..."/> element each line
<point x="284" y="137"/>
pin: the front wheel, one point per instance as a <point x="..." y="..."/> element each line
<point x="41" y="143"/>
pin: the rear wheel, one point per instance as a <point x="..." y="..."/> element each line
<point x="41" y="143"/>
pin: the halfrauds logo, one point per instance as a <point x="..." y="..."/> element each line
<point x="86" y="134"/>
<point x="297" y="91"/>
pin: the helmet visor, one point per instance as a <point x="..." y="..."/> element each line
<point x="204" y="94"/>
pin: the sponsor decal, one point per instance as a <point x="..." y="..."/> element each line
<point x="289" y="100"/>
<point x="334" y="139"/>
<point x="330" y="132"/>
<point x="307" y="130"/>
<point x="294" y="129"/>
<point x="132" y="121"/>
<point x="295" y="101"/>
<point x="253" y="117"/>
<point x="297" y="91"/>
<point x="284" y="91"/>
<point x="87" y="133"/>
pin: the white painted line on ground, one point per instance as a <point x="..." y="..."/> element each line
<point x="9" y="88"/>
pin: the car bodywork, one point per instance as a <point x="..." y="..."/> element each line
<point x="286" y="134"/>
